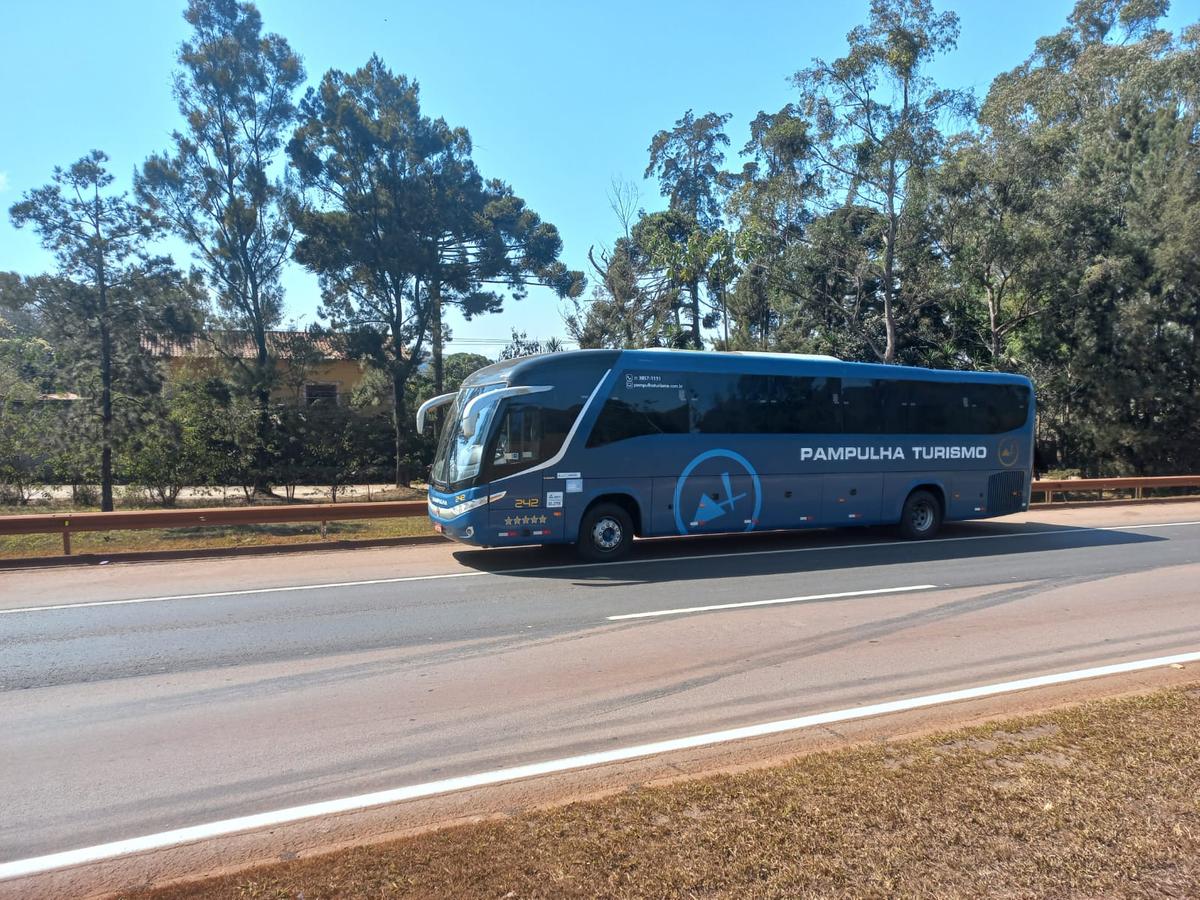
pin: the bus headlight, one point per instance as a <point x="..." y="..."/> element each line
<point x="453" y="512"/>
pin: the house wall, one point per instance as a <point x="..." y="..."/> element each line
<point x="344" y="373"/>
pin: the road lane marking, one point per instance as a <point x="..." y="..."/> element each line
<point x="840" y="594"/>
<point x="242" y="593"/>
<point x="869" y="545"/>
<point x="175" y="837"/>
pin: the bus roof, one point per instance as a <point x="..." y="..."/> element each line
<point x="528" y="369"/>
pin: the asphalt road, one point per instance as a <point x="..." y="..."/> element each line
<point x="305" y="678"/>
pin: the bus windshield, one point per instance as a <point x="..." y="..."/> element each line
<point x="460" y="447"/>
<point x="491" y="433"/>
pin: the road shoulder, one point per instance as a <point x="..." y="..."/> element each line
<point x="462" y="832"/>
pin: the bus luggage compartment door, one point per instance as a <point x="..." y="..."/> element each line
<point x="705" y="504"/>
<point x="851" y="499"/>
<point x="791" y="501"/>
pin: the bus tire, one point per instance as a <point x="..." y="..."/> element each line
<point x="921" y="517"/>
<point x="605" y="533"/>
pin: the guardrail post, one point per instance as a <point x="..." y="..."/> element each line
<point x="66" y="542"/>
<point x="324" y="531"/>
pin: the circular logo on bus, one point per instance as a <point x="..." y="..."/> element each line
<point x="1008" y="451"/>
<point x="719" y="488"/>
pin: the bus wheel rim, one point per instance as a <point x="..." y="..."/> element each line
<point x="922" y="517"/>
<point x="606" y="534"/>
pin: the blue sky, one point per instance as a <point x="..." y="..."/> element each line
<point x="559" y="97"/>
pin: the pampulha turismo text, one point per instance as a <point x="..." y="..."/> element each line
<point x="824" y="454"/>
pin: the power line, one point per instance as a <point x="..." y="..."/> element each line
<point x="501" y="342"/>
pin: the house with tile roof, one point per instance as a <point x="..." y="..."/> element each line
<point x="310" y="368"/>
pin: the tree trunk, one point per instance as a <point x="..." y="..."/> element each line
<point x="694" y="289"/>
<point x="889" y="270"/>
<point x="725" y="318"/>
<point x="106" y="412"/>
<point x="435" y="336"/>
<point x="398" y="421"/>
<point x="262" y="452"/>
<point x="994" y="325"/>
<point x="435" y="339"/>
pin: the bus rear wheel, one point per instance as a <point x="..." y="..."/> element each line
<point x="606" y="533"/>
<point x="921" y="517"/>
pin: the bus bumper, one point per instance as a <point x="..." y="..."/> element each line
<point x="484" y="520"/>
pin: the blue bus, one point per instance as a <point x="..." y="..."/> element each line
<point x="595" y="447"/>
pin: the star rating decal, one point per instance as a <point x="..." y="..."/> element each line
<point x="525" y="520"/>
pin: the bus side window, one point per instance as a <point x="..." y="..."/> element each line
<point x="999" y="407"/>
<point x="862" y="404"/>
<point x="804" y="405"/>
<point x="642" y="404"/>
<point x="730" y="404"/>
<point x="937" y="407"/>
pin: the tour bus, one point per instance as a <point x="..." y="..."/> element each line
<point x="595" y="447"/>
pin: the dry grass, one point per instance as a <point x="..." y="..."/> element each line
<point x="216" y="537"/>
<point x="1097" y="800"/>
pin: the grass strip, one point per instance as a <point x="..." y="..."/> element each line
<point x="1100" y="799"/>
<point x="20" y="546"/>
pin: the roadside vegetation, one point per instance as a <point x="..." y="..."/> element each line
<point x="1047" y="226"/>
<point x="1101" y="799"/>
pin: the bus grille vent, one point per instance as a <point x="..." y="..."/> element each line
<point x="1006" y="492"/>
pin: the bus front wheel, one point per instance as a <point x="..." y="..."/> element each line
<point x="921" y="517"/>
<point x="606" y="533"/>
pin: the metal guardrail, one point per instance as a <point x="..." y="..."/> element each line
<point x="67" y="523"/>
<point x="1048" y="488"/>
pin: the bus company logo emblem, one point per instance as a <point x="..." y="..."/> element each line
<point x="728" y="504"/>
<point x="1008" y="452"/>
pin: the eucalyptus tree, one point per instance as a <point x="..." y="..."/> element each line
<point x="874" y="119"/>
<point x="221" y="187"/>
<point x="991" y="201"/>
<point x="771" y="206"/>
<point x="687" y="160"/>
<point x="108" y="296"/>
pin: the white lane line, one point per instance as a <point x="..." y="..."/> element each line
<point x="868" y="545"/>
<point x="241" y="593"/>
<point x="840" y="594"/>
<point x="49" y="862"/>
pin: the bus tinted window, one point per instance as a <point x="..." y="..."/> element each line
<point x="642" y="403"/>
<point x="731" y="404"/>
<point x="861" y="402"/>
<point x="998" y="407"/>
<point x="937" y="408"/>
<point x="804" y="405"/>
<point x="964" y="408"/>
<point x="721" y="403"/>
